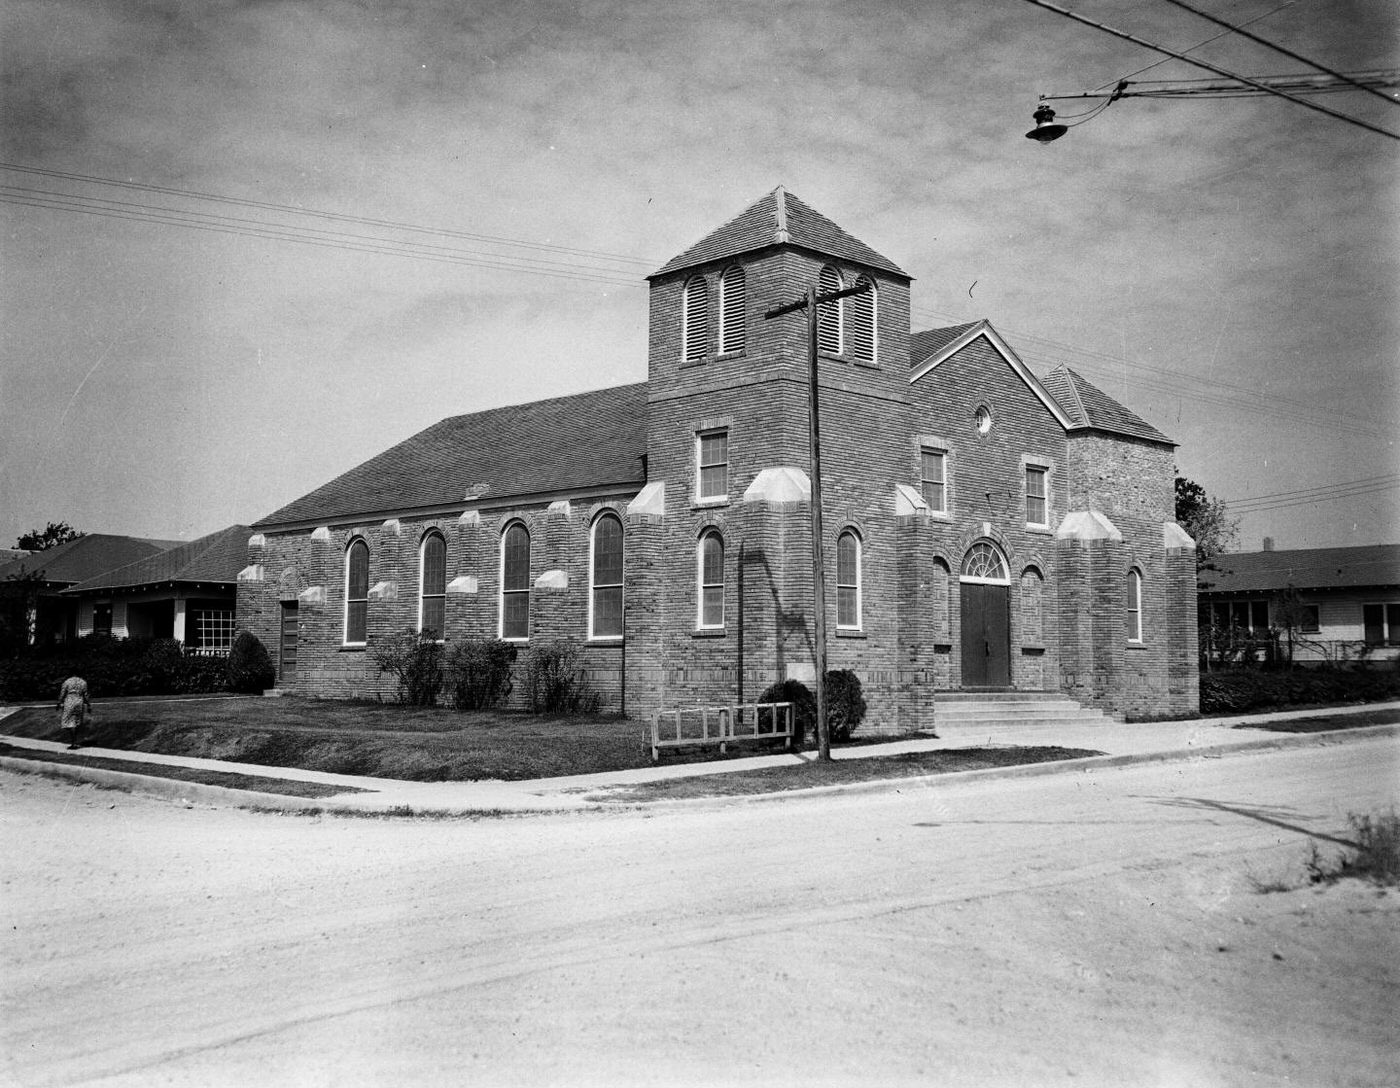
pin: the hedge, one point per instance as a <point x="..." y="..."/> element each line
<point x="111" y="667"/>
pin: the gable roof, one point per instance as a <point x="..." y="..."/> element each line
<point x="215" y="558"/>
<point x="1306" y="568"/>
<point x="779" y="218"/>
<point x="589" y="440"/>
<point x="84" y="557"/>
<point x="1093" y="409"/>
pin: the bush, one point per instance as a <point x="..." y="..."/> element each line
<point x="479" y="672"/>
<point x="845" y="705"/>
<point x="415" y="659"/>
<point x="111" y="667"/>
<point x="1375" y="853"/>
<point x="1243" y="691"/>
<point x="249" y="668"/>
<point x="555" y="682"/>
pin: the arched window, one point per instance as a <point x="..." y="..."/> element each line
<point x="695" y="320"/>
<point x="432" y="585"/>
<point x="731" y="310"/>
<point x="862" y="331"/>
<point x="356" y="592"/>
<point x="1134" y="605"/>
<point x="830" y="315"/>
<point x="848" y="580"/>
<point x="984" y="563"/>
<point x="605" y="603"/>
<point x="515" y="582"/>
<point x="711" y="581"/>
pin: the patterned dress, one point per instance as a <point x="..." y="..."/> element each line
<point x="73" y="704"/>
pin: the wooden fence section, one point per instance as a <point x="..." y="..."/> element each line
<point x="720" y="726"/>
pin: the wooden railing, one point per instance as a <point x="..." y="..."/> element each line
<point x="720" y="726"/>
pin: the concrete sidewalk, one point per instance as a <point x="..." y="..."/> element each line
<point x="1119" y="743"/>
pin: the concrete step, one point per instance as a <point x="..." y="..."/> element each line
<point x="971" y="710"/>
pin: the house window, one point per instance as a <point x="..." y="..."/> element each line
<point x="862" y="336"/>
<point x="1381" y="623"/>
<point x="848" y="580"/>
<point x="213" y="631"/>
<point x="1249" y="616"/>
<point x="731" y="311"/>
<point x="711" y="578"/>
<point x="605" y="618"/>
<point x="1134" y="606"/>
<point x="935" y="480"/>
<point x="1309" y="618"/>
<point x="830" y="315"/>
<point x="712" y="465"/>
<point x="695" y="322"/>
<point x="432" y="585"/>
<point x="1037" y="512"/>
<point x="356" y="592"/>
<point x="515" y="582"/>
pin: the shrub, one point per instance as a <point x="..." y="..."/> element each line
<point x="112" y="667"/>
<point x="1241" y="691"/>
<point x="555" y="682"/>
<point x="845" y="705"/>
<point x="1375" y="854"/>
<point x="415" y="659"/>
<point x="478" y="671"/>
<point x="249" y="668"/>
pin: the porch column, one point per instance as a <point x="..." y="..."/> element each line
<point x="179" y="632"/>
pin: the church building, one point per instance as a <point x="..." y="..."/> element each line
<point x="986" y="530"/>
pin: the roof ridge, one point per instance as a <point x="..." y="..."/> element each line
<point x="1074" y="379"/>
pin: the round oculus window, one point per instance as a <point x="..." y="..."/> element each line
<point x="983" y="418"/>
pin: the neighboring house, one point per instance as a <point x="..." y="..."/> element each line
<point x="32" y="586"/>
<point x="1326" y="604"/>
<point x="984" y="529"/>
<point x="187" y="592"/>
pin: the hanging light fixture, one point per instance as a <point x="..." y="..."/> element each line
<point x="1045" y="128"/>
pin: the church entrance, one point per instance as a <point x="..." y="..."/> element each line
<point x="986" y="618"/>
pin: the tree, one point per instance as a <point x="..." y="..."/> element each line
<point x="1207" y="519"/>
<point x="53" y="534"/>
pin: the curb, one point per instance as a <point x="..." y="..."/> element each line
<point x="225" y="797"/>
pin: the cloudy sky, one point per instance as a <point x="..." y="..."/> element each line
<point x="248" y="245"/>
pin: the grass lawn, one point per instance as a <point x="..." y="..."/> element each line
<point x="1320" y="721"/>
<point x="421" y="744"/>
<point x="226" y="779"/>
<point x="839" y="772"/>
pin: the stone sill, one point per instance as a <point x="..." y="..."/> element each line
<point x="709" y="632"/>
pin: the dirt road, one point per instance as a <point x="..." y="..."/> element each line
<point x="1084" y="929"/>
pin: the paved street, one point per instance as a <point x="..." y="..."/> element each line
<point x="1088" y="928"/>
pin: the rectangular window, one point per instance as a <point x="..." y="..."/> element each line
<point x="213" y="631"/>
<point x="935" y="480"/>
<point x="712" y="463"/>
<point x="1382" y="623"/>
<point x="1309" y="618"/>
<point x="1037" y="512"/>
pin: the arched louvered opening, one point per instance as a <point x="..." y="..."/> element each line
<point x="830" y="315"/>
<point x="861" y="337"/>
<point x="731" y="311"/>
<point x="695" y="321"/>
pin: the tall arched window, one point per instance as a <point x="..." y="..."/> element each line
<point x="848" y="580"/>
<point x="695" y="319"/>
<point x="515" y="582"/>
<point x="731" y="310"/>
<point x="432" y="585"/>
<point x="862" y="331"/>
<point x="356" y="592"/>
<point x="830" y="315"/>
<point x="605" y="602"/>
<point x="1134" y="605"/>
<point x="711" y="581"/>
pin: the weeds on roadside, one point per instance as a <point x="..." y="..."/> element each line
<point x="1374" y="854"/>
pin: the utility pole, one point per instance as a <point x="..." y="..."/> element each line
<point x="810" y="302"/>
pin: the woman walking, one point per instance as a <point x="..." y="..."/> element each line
<point x="74" y="707"/>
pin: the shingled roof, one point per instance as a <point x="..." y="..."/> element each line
<point x="1367" y="566"/>
<point x="1093" y="409"/>
<point x="84" y="557"/>
<point x="779" y="218"/>
<point x="595" y="439"/>
<point x="216" y="558"/>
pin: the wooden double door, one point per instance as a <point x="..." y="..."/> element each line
<point x="986" y="635"/>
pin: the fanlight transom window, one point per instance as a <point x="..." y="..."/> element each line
<point x="985" y="563"/>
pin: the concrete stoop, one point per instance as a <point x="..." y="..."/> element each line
<point x="970" y="710"/>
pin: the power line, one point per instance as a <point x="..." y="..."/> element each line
<point x="318" y="214"/>
<point x="1211" y="68"/>
<point x="1280" y="49"/>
